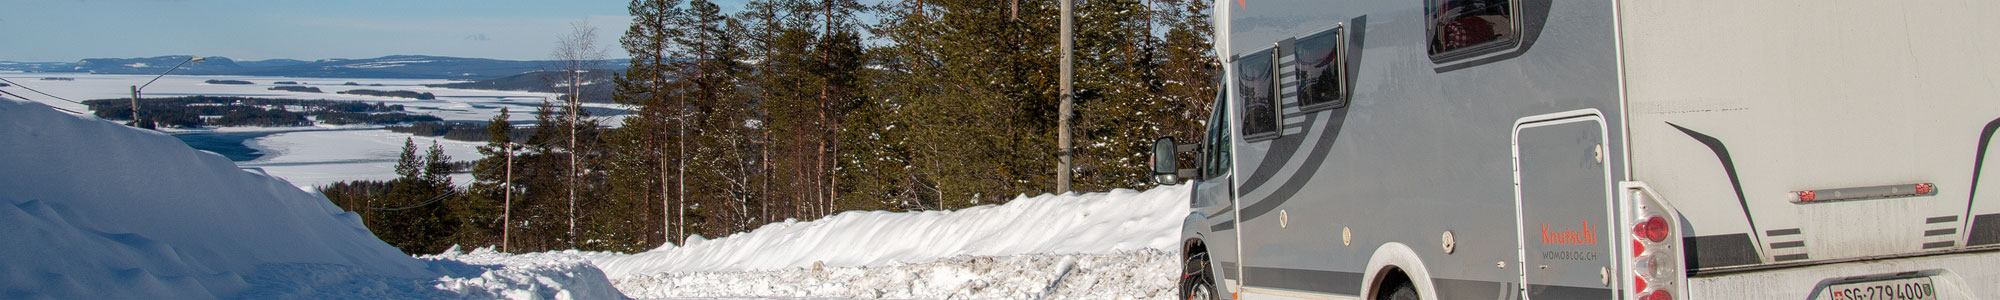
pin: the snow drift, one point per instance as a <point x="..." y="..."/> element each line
<point x="1120" y="220"/>
<point x="1113" y="245"/>
<point x="96" y="210"/>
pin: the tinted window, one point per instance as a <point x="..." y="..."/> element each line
<point x="1321" y="68"/>
<point x="1255" y="85"/>
<point x="1215" y="161"/>
<point x="1466" y="25"/>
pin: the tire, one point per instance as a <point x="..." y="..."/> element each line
<point x="1196" y="281"/>
<point x="1404" y="291"/>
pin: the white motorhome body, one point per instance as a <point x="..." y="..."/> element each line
<point x="1591" y="149"/>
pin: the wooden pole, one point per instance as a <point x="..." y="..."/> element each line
<point x="1063" y="149"/>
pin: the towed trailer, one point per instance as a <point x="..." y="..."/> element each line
<point x="1596" y="149"/>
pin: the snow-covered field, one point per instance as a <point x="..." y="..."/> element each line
<point x="319" y="158"/>
<point x="97" y="210"/>
<point x="451" y="104"/>
<point x="313" y="158"/>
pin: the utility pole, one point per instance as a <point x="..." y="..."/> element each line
<point x="1063" y="150"/>
<point x="507" y="208"/>
<point x="136" y="88"/>
<point x="135" y="108"/>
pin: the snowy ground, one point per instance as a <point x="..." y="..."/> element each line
<point x="1133" y="274"/>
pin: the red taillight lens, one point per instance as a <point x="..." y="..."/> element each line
<point x="1653" y="229"/>
<point x="1638" y="248"/>
<point x="1641" y="283"/>
<point x="1658" y="295"/>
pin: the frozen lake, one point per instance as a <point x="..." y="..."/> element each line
<point x="307" y="156"/>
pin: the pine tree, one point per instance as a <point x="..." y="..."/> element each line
<point x="437" y="166"/>
<point x="976" y="88"/>
<point x="1118" y="88"/>
<point x="408" y="165"/>
<point x="1189" y="67"/>
<point x="645" y="143"/>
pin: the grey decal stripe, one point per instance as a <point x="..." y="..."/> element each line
<point x="1314" y="160"/>
<point x="1229" y="271"/>
<point x="1282" y="150"/>
<point x="1780" y="232"/>
<point x="1474" y="289"/>
<point x="1791" y="257"/>
<point x="1985" y="230"/>
<point x="1567" y="292"/>
<point x="1344" y="283"/>
<point x="1719" y="251"/>
<point x="1791" y="244"/>
<point x="1944" y="244"/>
<point x="1979" y="162"/>
<point x="1224" y="226"/>
<point x="1938" y="232"/>
<point x="1728" y="166"/>
<point x="1944" y="219"/>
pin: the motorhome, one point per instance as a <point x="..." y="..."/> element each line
<point x="1596" y="149"/>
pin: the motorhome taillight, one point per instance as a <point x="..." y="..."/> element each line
<point x="1658" y="295"/>
<point x="1656" y="256"/>
<point x="1653" y="229"/>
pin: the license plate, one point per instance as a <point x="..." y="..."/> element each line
<point x="1919" y="288"/>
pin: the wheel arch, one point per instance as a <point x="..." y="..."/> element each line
<point x="1390" y="261"/>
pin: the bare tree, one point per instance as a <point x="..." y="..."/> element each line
<point x="576" y="54"/>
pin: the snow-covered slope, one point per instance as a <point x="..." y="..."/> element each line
<point x="1119" y="220"/>
<point x="90" y="209"/>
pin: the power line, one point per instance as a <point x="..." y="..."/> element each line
<point x="37" y="91"/>
<point x="50" y="106"/>
<point x="433" y="200"/>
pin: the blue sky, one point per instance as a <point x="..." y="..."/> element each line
<point x="70" y="30"/>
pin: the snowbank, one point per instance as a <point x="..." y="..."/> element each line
<point x="1140" y="274"/>
<point x="1120" y="220"/>
<point x="95" y="210"/>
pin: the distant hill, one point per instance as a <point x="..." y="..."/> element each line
<point x="395" y="66"/>
<point x="597" y="85"/>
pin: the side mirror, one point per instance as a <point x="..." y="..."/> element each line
<point x="1166" y="170"/>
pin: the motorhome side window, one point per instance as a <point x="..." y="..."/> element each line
<point x="1255" y="86"/>
<point x="1321" y="69"/>
<point x="1462" y="26"/>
